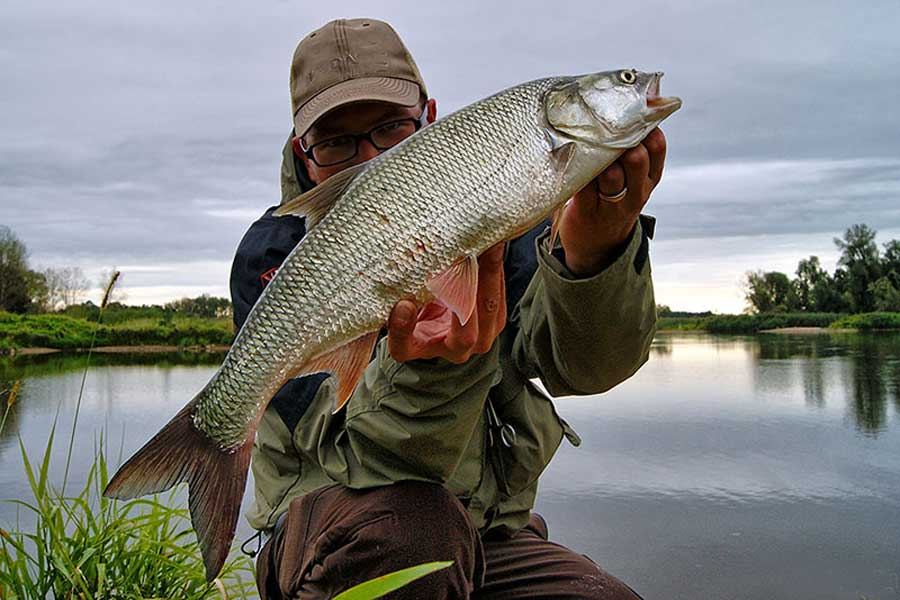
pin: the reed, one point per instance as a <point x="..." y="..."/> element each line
<point x="88" y="547"/>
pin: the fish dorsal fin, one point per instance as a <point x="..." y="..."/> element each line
<point x="315" y="204"/>
<point x="346" y="363"/>
<point x="457" y="286"/>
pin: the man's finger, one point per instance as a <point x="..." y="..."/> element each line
<point x="656" y="148"/>
<point x="491" y="300"/>
<point x="636" y="162"/>
<point x="612" y="179"/>
<point x="401" y="325"/>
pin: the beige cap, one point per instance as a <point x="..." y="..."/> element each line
<point x="351" y="60"/>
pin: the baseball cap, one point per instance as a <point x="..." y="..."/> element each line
<point x="351" y="60"/>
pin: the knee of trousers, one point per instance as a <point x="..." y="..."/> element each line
<point x="427" y="519"/>
<point x="412" y="523"/>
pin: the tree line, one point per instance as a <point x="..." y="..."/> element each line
<point x="24" y="290"/>
<point x="866" y="279"/>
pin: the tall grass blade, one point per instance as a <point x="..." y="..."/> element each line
<point x="378" y="587"/>
<point x="103" y="304"/>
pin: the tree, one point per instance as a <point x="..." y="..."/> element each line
<point x="815" y="289"/>
<point x="768" y="292"/>
<point x="890" y="262"/>
<point x="885" y="296"/>
<point x="202" y="306"/>
<point x="65" y="287"/>
<point x="859" y="257"/>
<point x="14" y="274"/>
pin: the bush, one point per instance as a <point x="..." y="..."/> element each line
<point x="868" y="321"/>
<point x="754" y="323"/>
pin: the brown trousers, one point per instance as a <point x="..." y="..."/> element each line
<point x="335" y="538"/>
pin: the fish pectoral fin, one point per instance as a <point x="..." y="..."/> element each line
<point x="554" y="223"/>
<point x="216" y="478"/>
<point x="457" y="287"/>
<point x="346" y="363"/>
<point x="315" y="204"/>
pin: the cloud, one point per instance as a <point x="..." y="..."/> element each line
<point x="151" y="135"/>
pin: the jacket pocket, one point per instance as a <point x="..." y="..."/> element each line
<point x="519" y="458"/>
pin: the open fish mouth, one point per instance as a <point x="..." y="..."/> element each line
<point x="660" y="106"/>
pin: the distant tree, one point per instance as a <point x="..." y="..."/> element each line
<point x="768" y="292"/>
<point x="14" y="273"/>
<point x="859" y="257"/>
<point x="204" y="306"/>
<point x="663" y="310"/>
<point x="65" y="286"/>
<point x="885" y="296"/>
<point x="890" y="262"/>
<point x="815" y="288"/>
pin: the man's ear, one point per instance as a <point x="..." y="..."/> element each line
<point x="295" y="144"/>
<point x="431" y="108"/>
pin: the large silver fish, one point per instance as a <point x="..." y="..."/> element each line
<point x="410" y="222"/>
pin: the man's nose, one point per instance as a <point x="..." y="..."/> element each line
<point x="366" y="151"/>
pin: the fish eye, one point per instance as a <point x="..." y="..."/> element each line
<point x="627" y="76"/>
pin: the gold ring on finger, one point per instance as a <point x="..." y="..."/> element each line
<point x="615" y="197"/>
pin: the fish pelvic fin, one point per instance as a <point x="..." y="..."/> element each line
<point x="346" y="364"/>
<point x="457" y="287"/>
<point x="216" y="479"/>
<point x="315" y="204"/>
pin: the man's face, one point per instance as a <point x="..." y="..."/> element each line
<point x="350" y="120"/>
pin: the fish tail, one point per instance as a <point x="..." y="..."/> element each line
<point x="216" y="479"/>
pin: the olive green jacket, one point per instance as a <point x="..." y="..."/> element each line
<point x="430" y="420"/>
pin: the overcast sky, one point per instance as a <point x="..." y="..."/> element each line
<point x="147" y="136"/>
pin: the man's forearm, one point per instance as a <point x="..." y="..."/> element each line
<point x="585" y="335"/>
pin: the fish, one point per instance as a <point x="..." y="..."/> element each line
<point x="409" y="223"/>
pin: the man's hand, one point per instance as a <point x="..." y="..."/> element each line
<point x="592" y="229"/>
<point x="436" y="332"/>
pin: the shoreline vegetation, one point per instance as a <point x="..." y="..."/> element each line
<point x="782" y="322"/>
<point x="52" y="333"/>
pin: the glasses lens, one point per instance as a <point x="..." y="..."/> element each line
<point x="392" y="134"/>
<point x="335" y="150"/>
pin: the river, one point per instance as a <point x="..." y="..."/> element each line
<point x="728" y="467"/>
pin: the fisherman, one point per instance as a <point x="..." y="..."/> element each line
<point x="437" y="454"/>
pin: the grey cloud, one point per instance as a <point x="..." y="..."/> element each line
<point x="149" y="134"/>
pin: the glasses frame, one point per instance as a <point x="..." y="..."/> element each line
<point x="418" y="123"/>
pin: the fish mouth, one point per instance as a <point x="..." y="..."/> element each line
<point x="658" y="106"/>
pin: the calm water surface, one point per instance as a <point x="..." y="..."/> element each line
<point x="752" y="467"/>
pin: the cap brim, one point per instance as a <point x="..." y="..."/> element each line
<point x="375" y="89"/>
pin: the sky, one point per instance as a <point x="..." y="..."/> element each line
<point x="148" y="136"/>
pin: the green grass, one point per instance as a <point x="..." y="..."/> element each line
<point x="869" y="321"/>
<point x="754" y="323"/>
<point x="89" y="547"/>
<point x="68" y="333"/>
<point x="747" y="323"/>
<point x="681" y="323"/>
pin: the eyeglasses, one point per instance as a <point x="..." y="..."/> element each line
<point x="339" y="149"/>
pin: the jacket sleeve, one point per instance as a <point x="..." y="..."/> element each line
<point x="584" y="336"/>
<point x="405" y="421"/>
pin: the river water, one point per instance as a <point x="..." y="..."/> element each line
<point x="744" y="467"/>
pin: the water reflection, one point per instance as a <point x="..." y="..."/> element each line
<point x="869" y="365"/>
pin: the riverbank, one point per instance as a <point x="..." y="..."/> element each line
<point x="790" y="322"/>
<point x="40" y="333"/>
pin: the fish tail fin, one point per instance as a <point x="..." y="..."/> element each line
<point x="216" y="479"/>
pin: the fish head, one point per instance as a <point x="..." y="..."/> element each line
<point x="612" y="109"/>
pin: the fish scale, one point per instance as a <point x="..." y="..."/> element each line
<point x="407" y="223"/>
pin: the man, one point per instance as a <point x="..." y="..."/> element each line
<point x="437" y="453"/>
